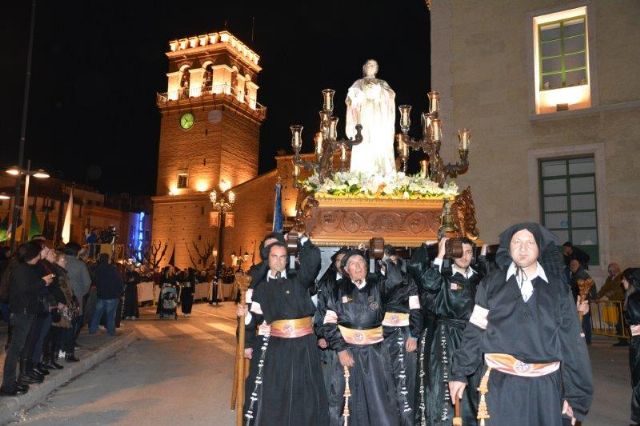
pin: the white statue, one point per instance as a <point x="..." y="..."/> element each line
<point x="371" y="102"/>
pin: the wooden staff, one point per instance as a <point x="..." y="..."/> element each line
<point x="239" y="373"/>
<point x="457" y="419"/>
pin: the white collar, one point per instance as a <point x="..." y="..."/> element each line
<point x="362" y="284"/>
<point x="467" y="274"/>
<point x="539" y="272"/>
<point x="272" y="276"/>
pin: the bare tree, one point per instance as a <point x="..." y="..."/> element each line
<point x="154" y="253"/>
<point x="203" y="256"/>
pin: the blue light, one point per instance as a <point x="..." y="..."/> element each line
<point x="137" y="236"/>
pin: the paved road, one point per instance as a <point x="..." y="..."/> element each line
<point x="180" y="372"/>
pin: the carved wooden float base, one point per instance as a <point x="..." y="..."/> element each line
<point x="344" y="221"/>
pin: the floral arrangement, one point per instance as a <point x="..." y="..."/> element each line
<point x="393" y="186"/>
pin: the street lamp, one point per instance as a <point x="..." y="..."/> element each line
<point x="221" y="204"/>
<point x="27" y="173"/>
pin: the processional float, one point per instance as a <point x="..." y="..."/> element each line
<point x="336" y="208"/>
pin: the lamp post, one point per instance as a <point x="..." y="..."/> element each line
<point x="221" y="204"/>
<point x="27" y="173"/>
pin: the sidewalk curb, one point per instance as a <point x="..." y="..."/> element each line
<point x="10" y="407"/>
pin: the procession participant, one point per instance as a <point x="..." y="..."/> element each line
<point x="631" y="279"/>
<point x="293" y="390"/>
<point x="188" y="288"/>
<point x="402" y="326"/>
<point x="325" y="287"/>
<point x="132" y="279"/>
<point x="353" y="328"/>
<point x="526" y="326"/>
<point x="449" y="298"/>
<point x="255" y="332"/>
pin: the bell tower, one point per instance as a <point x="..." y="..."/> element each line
<point x="209" y="134"/>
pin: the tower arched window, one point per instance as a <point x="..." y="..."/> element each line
<point x="185" y="81"/>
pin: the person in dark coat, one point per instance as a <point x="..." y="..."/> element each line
<point x="324" y="289"/>
<point x="109" y="288"/>
<point x="631" y="279"/>
<point x="132" y="279"/>
<point x="449" y="294"/>
<point x="402" y="326"/>
<point x="353" y="328"/>
<point x="571" y="252"/>
<point x="293" y="389"/>
<point x="524" y="327"/>
<point x="168" y="276"/>
<point x="578" y="273"/>
<point x="25" y="284"/>
<point x="188" y="287"/>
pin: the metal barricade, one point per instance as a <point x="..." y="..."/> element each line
<point x="607" y="319"/>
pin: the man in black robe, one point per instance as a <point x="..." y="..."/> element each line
<point x="449" y="298"/>
<point x="353" y="328"/>
<point x="256" y="332"/>
<point x="325" y="287"/>
<point x="524" y="326"/>
<point x="292" y="386"/>
<point x="402" y="326"/>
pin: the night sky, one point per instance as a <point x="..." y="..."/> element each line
<point x="97" y="66"/>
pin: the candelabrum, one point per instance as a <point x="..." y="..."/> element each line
<point x="430" y="142"/>
<point x="326" y="143"/>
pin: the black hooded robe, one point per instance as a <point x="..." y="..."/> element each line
<point x="404" y="299"/>
<point x="328" y="356"/>
<point x="293" y="390"/>
<point x="450" y="300"/>
<point x="371" y="381"/>
<point x="542" y="330"/>
<point x="632" y="316"/>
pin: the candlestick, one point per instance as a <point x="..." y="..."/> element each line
<point x="436" y="129"/>
<point x="333" y="128"/>
<point x="405" y="117"/>
<point x="296" y="136"/>
<point x="327" y="96"/>
<point x="464" y="136"/>
<point x="434" y="101"/>
<point x="424" y="168"/>
<point x="318" y="142"/>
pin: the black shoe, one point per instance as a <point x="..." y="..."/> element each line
<point x="621" y="343"/>
<point x="11" y="392"/>
<point x="22" y="388"/>
<point x="39" y="378"/>
<point x="39" y="369"/>
<point x="57" y="366"/>
<point x="72" y="358"/>
<point x="46" y="365"/>
<point x="26" y="380"/>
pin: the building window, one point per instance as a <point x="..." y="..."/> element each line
<point x="568" y="202"/>
<point x="183" y="180"/>
<point x="561" y="50"/>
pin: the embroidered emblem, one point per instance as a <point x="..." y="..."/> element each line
<point x="371" y="299"/>
<point x="373" y="306"/>
<point x="288" y="329"/>
<point x="345" y="299"/>
<point x="394" y="319"/>
<point x="358" y="336"/>
<point x="521" y="367"/>
<point x="455" y="286"/>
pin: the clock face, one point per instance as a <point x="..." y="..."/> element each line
<point x="187" y="120"/>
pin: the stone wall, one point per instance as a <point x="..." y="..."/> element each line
<point x="482" y="55"/>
